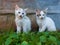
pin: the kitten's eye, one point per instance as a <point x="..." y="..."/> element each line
<point x="22" y="13"/>
<point x="43" y="14"/>
<point x="39" y="14"/>
<point x="18" y="12"/>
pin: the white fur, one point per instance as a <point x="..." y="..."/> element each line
<point x="47" y="22"/>
<point x="24" y="22"/>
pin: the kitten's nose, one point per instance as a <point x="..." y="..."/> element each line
<point x="20" y="16"/>
<point x="41" y="17"/>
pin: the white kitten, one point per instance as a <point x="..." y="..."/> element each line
<point x="44" y="22"/>
<point x="21" y="20"/>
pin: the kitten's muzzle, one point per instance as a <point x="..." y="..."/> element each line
<point x="20" y="16"/>
<point x="41" y="17"/>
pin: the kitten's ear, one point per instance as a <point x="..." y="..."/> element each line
<point x="16" y="7"/>
<point x="37" y="11"/>
<point x="45" y="11"/>
<point x="26" y="9"/>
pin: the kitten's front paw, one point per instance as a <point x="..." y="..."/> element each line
<point x="18" y="31"/>
<point x="41" y="30"/>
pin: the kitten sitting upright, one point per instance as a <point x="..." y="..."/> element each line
<point x="44" y="22"/>
<point x="21" y="20"/>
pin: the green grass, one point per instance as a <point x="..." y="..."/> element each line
<point x="31" y="38"/>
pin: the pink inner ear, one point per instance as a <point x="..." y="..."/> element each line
<point x="16" y="7"/>
<point x="37" y="11"/>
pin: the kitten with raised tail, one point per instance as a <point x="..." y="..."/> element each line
<point x="44" y="22"/>
<point x="21" y="20"/>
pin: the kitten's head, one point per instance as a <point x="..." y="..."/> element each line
<point x="41" y="14"/>
<point x="19" y="12"/>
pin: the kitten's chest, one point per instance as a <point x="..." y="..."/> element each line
<point x="19" y="22"/>
<point x="41" y="23"/>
